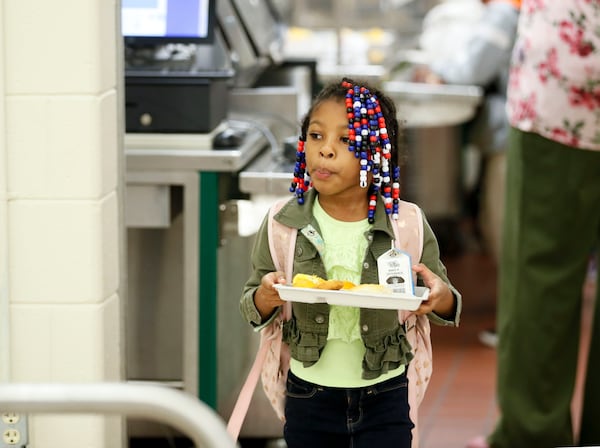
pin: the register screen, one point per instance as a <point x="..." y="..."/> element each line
<point x="165" y="18"/>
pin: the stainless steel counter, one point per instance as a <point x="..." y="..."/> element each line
<point x="172" y="213"/>
<point x="266" y="175"/>
<point x="185" y="152"/>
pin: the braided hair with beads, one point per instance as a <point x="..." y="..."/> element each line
<point x="373" y="133"/>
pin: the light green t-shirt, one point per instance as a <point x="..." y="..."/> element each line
<point x="340" y="364"/>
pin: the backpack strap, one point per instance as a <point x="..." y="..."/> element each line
<point x="417" y="327"/>
<point x="282" y="244"/>
<point x="406" y="228"/>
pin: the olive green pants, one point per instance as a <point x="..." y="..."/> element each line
<point x="551" y="224"/>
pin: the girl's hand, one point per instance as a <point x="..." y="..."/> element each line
<point x="266" y="297"/>
<point x="441" y="300"/>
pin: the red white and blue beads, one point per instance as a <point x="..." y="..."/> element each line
<point x="369" y="141"/>
<point x="301" y="180"/>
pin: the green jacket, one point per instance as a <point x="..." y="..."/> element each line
<point x="306" y="332"/>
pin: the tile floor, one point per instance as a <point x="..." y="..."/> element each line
<point x="460" y="402"/>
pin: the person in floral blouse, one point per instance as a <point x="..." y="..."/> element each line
<point x="552" y="222"/>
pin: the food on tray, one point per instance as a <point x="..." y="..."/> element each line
<point x="314" y="281"/>
<point x="348" y="285"/>
<point x="306" y="281"/>
<point x="331" y="284"/>
<point x="372" y="287"/>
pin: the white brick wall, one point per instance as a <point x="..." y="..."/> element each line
<point x="67" y="246"/>
<point x="59" y="145"/>
<point x="60" y="156"/>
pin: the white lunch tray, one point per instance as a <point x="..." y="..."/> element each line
<point x="362" y="299"/>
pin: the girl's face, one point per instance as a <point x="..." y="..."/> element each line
<point x="333" y="169"/>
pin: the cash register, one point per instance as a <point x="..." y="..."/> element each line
<point x="176" y="67"/>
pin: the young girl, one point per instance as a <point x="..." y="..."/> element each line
<point x="347" y="384"/>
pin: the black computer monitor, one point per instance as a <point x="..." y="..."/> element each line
<point x="158" y="22"/>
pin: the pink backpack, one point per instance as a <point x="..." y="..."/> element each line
<point x="273" y="357"/>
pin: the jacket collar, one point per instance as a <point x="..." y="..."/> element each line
<point x="299" y="216"/>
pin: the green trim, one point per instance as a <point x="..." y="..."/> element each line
<point x="207" y="287"/>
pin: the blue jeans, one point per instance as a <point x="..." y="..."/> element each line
<point x="330" y="417"/>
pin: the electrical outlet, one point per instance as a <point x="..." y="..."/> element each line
<point x="11" y="436"/>
<point x="13" y="430"/>
<point x="10" y="418"/>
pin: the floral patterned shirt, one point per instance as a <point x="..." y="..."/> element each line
<point x="554" y="87"/>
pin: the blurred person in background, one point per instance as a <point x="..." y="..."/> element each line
<point x="480" y="55"/>
<point x="552" y="222"/>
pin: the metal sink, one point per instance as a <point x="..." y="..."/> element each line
<point x="433" y="105"/>
<point x="426" y="105"/>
